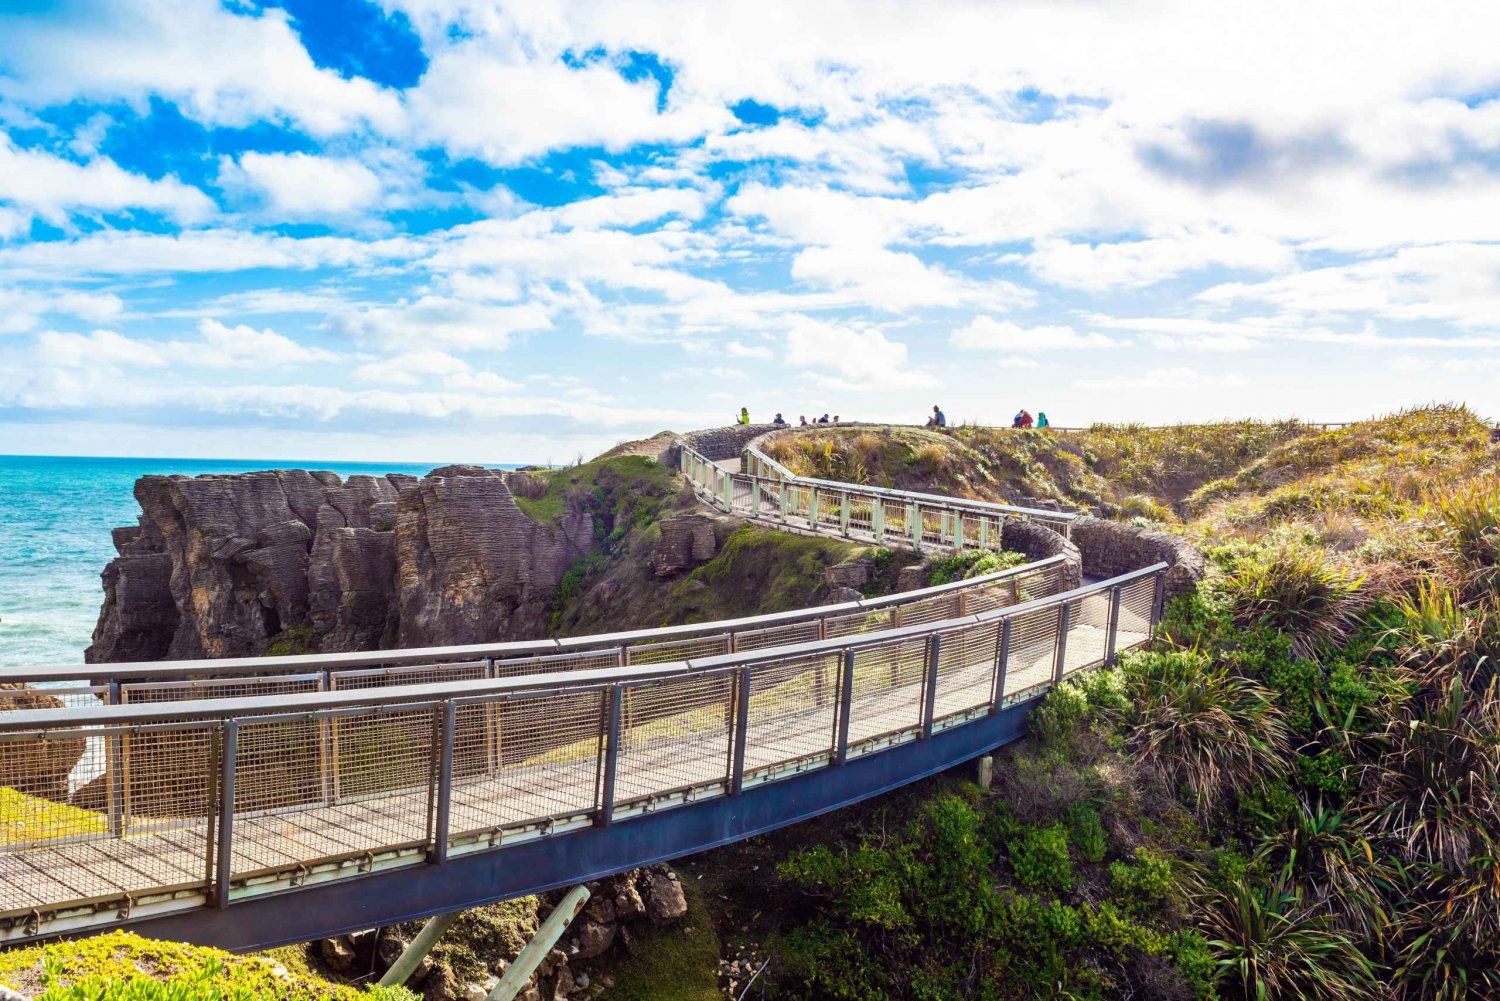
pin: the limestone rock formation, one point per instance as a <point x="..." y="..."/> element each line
<point x="471" y="565"/>
<point x="687" y="540"/>
<point x="224" y="566"/>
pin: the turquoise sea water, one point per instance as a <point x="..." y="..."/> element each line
<point x="55" y="519"/>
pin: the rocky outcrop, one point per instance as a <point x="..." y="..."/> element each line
<point x="472" y="566"/>
<point x="687" y="541"/>
<point x="224" y="566"/>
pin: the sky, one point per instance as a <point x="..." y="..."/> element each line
<point x="449" y="230"/>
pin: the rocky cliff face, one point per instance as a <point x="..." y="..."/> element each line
<point x="225" y="566"/>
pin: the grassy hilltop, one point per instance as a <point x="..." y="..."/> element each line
<point x="1295" y="795"/>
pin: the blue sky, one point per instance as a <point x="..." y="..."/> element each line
<point x="450" y="229"/>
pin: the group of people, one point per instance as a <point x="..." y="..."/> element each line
<point x="1023" y="419"/>
<point x="781" y="422"/>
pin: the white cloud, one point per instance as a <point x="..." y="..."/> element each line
<point x="441" y="322"/>
<point x="48" y="186"/>
<point x="410" y="368"/>
<point x="22" y="309"/>
<point x="302" y="186"/>
<point x="242" y="346"/>
<point x="102" y="349"/>
<point x="863" y="359"/>
<point x="219" y="66"/>
<point x="985" y="333"/>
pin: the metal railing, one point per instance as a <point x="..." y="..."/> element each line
<point x="768" y="491"/>
<point x="210" y="801"/>
<point x="243" y="677"/>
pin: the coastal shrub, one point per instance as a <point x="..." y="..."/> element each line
<point x="1202" y="726"/>
<point x="972" y="563"/>
<point x="1270" y="942"/>
<point x="1470" y="513"/>
<point x="1298" y="592"/>
<point x="1040" y="859"/>
<point x="1144" y="882"/>
<point x="1086" y="832"/>
<point x="120" y="966"/>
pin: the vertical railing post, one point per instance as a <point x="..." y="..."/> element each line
<point x="812" y="508"/>
<point x="446" y="732"/>
<point x="844" y="512"/>
<point x="1064" y="621"/>
<point x="1002" y="663"/>
<point x="930" y="680"/>
<point x="729" y="492"/>
<point x="224" y="841"/>
<point x="741" y="730"/>
<point x="1112" y="630"/>
<point x="115" y="766"/>
<point x="846" y="702"/>
<point x="1158" y="601"/>
<point x="611" y="748"/>
<point x="958" y="530"/>
<point x="984" y="531"/>
<point x="877" y="520"/>
<point x="914" y="521"/>
<point x="781" y="493"/>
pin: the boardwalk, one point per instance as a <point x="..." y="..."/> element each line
<point x="234" y="807"/>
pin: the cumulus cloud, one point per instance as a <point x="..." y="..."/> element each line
<point x="985" y="333"/>
<point x="442" y="322"/>
<point x="303" y="186"/>
<point x="860" y="358"/>
<point x="41" y="184"/>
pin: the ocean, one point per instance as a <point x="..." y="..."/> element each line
<point x="56" y="513"/>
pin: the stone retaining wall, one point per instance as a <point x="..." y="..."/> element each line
<point x="1038" y="542"/>
<point x="1111" y="548"/>
<point x="718" y="444"/>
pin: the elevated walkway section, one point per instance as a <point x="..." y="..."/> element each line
<point x="247" y="804"/>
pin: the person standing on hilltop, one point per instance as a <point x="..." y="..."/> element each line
<point x="745" y="415"/>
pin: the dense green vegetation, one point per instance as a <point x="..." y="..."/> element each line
<point x="123" y="967"/>
<point x="1295" y="794"/>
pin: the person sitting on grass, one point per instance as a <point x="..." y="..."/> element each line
<point x="938" y="418"/>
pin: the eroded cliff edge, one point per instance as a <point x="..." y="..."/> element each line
<point x="294" y="560"/>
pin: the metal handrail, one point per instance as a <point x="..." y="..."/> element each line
<point x="252" y="667"/>
<point x="953" y="503"/>
<point x="211" y="802"/>
<point x="58" y="720"/>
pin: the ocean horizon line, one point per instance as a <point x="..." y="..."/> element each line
<point x="278" y="463"/>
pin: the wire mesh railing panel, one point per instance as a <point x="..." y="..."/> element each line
<point x="674" y="734"/>
<point x="547" y="753"/>
<point x="895" y="521"/>
<point x="966" y="669"/>
<point x="793" y="704"/>
<point x="997" y="594"/>
<point x="1088" y="632"/>
<point x="53" y="696"/>
<point x="888" y="688"/>
<point x="1137" y="602"/>
<point x="382" y="779"/>
<point x="673" y="650"/>
<point x="59" y="845"/>
<point x="136" y="693"/>
<point x="785" y="635"/>
<point x="165" y="777"/>
<point x="934" y="609"/>
<point x="1033" y="650"/>
<point x="416" y="674"/>
<point x="862" y="515"/>
<point x="857" y="622"/>
<point x="583" y="660"/>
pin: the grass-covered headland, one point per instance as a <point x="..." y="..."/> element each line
<point x="1296" y="794"/>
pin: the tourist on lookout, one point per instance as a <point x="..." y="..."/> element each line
<point x="938" y="418"/>
<point x="779" y="421"/>
<point x="744" y="415"/>
<point x="1041" y="420"/>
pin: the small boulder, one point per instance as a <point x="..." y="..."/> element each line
<point x="338" y="952"/>
<point x="594" y="938"/>
<point x="663" y="895"/>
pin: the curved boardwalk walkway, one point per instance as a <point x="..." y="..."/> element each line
<point x="280" y="811"/>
